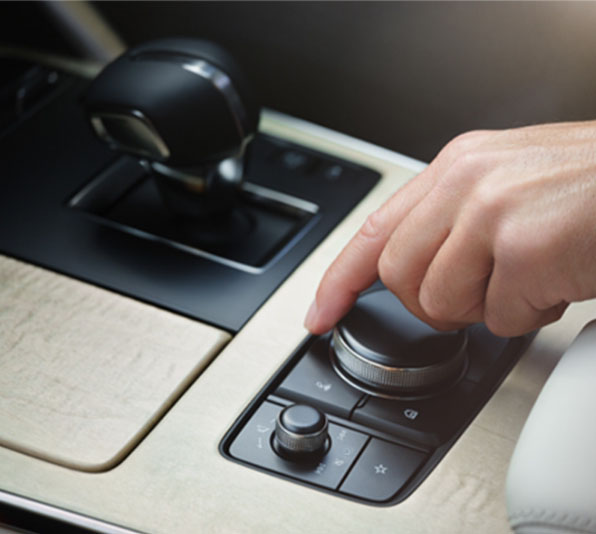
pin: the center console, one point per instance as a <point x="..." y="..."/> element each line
<point x="261" y="427"/>
<point x="396" y="394"/>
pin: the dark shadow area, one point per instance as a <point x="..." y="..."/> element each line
<point x="405" y="75"/>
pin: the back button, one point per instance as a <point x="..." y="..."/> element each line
<point x="429" y="422"/>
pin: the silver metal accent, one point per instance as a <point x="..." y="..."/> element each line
<point x="264" y="195"/>
<point x="300" y="443"/>
<point x="377" y="377"/>
<point x="279" y="197"/>
<point x="231" y="170"/>
<point x="197" y="182"/>
<point x="223" y="83"/>
<point x="66" y="516"/>
<point x="149" y="142"/>
<point x="228" y="171"/>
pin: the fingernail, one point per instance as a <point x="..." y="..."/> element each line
<point x="311" y="315"/>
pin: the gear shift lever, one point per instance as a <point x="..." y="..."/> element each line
<point x="184" y="108"/>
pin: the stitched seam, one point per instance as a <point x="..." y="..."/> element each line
<point x="541" y="517"/>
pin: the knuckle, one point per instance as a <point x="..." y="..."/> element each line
<point x="489" y="200"/>
<point x="432" y="305"/>
<point x="463" y="143"/>
<point x="373" y="226"/>
<point x="464" y="172"/>
<point x="385" y="270"/>
<point x="468" y="165"/>
<point x="486" y="211"/>
<point x="519" y="250"/>
<point x="465" y="140"/>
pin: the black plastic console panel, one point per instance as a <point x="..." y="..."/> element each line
<point x="381" y="449"/>
<point x="49" y="159"/>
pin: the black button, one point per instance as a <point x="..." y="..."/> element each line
<point x="253" y="445"/>
<point x="382" y="470"/>
<point x="333" y="171"/>
<point x="346" y="445"/>
<point x="295" y="160"/>
<point x="427" y="421"/>
<point x="314" y="381"/>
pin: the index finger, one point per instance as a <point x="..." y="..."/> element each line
<point x="355" y="268"/>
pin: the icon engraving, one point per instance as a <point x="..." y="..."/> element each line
<point x="410" y="413"/>
<point x="342" y="434"/>
<point x="338" y="462"/>
<point x="320" y="468"/>
<point x="380" y="469"/>
<point x="324" y="386"/>
<point x="262" y="429"/>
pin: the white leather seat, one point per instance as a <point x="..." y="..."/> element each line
<point x="551" y="484"/>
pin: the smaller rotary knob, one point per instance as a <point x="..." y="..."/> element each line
<point x="301" y="432"/>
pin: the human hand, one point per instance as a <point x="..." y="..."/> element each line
<point x="500" y="228"/>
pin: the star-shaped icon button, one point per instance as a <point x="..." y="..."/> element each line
<point x="380" y="469"/>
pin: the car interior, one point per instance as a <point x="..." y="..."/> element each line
<point x="176" y="178"/>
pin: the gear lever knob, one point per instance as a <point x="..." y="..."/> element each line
<point x="184" y="107"/>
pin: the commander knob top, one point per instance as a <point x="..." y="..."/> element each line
<point x="383" y="349"/>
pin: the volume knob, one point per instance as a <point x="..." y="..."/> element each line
<point x="301" y="431"/>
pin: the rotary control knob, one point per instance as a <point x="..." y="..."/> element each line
<point x="381" y="348"/>
<point x="301" y="432"/>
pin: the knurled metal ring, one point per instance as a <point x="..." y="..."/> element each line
<point x="388" y="381"/>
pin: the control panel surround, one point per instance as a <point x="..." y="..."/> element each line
<point x="381" y="446"/>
